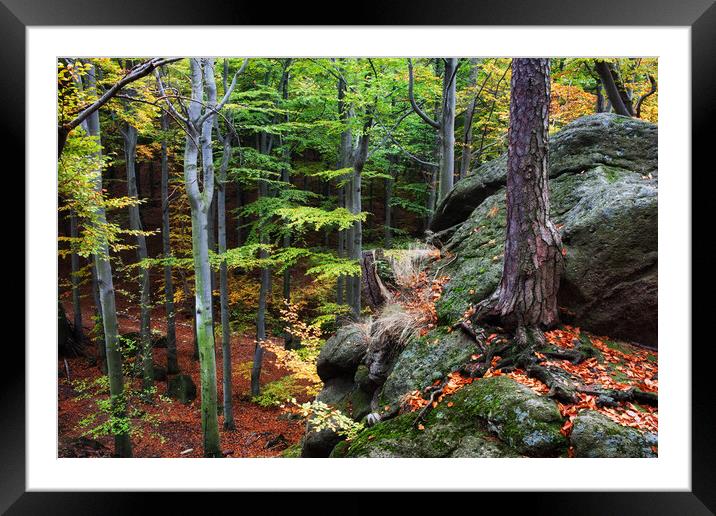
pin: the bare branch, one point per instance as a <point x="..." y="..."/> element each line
<point x="646" y="95"/>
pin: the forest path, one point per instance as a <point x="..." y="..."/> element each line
<point x="179" y="425"/>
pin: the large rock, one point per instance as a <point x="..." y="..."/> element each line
<point x="595" y="435"/>
<point x="492" y="417"/>
<point x="342" y="353"/>
<point x="607" y="216"/>
<point x="601" y="139"/>
<point x="523" y="419"/>
<point x="444" y="435"/>
<point x="342" y="394"/>
<point x="425" y="360"/>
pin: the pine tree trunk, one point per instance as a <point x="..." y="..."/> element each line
<point x="533" y="259"/>
<point x="105" y="285"/>
<point x="172" y="362"/>
<point x="130" y="149"/>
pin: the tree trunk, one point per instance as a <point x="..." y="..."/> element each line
<point x="172" y="363"/>
<point x="101" y="349"/>
<point x="447" y="129"/>
<point x="359" y="160"/>
<point x="387" y="232"/>
<point x="465" y="159"/>
<point x="199" y="200"/>
<point x="614" y="87"/>
<point x="135" y="223"/>
<point x="224" y="287"/>
<point x="264" y="278"/>
<point x="75" y="280"/>
<point x="533" y="259"/>
<point x="345" y="154"/>
<point x="122" y="443"/>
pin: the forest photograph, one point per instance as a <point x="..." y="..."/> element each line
<point x="357" y="257"/>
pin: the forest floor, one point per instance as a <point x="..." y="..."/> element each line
<point x="176" y="431"/>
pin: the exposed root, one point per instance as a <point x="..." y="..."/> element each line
<point x="431" y="404"/>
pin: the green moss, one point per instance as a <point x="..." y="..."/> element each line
<point x="292" y="451"/>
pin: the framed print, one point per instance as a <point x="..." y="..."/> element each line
<point x="332" y="245"/>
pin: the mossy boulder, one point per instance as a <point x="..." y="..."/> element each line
<point x="605" y="204"/>
<point x="493" y="417"/>
<point x="595" y="435"/>
<point x="181" y="387"/>
<point x="521" y="418"/>
<point x="444" y="435"/>
<point x="342" y="353"/>
<point x="424" y="360"/>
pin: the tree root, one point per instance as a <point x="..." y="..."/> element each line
<point x="427" y="408"/>
<point x="611" y="397"/>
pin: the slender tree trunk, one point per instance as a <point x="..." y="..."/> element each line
<point x="264" y="278"/>
<point x="465" y="159"/>
<point x="387" y="231"/>
<point x="447" y="129"/>
<point x="172" y="362"/>
<point x="260" y="331"/>
<point x="614" y="87"/>
<point x="533" y="260"/>
<point x="224" y="287"/>
<point x="101" y="349"/>
<point x="359" y="160"/>
<point x="600" y="108"/>
<point x="122" y="443"/>
<point x="135" y="223"/>
<point x="199" y="200"/>
<point x="75" y="281"/>
<point x="345" y="153"/>
<point x="239" y="217"/>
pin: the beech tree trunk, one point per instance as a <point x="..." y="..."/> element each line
<point x="465" y="159"/>
<point x="533" y="259"/>
<point x="172" y="363"/>
<point x="229" y="423"/>
<point x="135" y="223"/>
<point x="447" y="129"/>
<point x="105" y="285"/>
<point x="75" y="281"/>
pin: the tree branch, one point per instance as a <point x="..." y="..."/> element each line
<point x="141" y="70"/>
<point x="415" y="106"/>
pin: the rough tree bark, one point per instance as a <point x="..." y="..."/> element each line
<point x="135" y="223"/>
<point x="122" y="443"/>
<point x="533" y="259"/>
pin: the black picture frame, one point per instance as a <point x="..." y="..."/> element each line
<point x="700" y="15"/>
